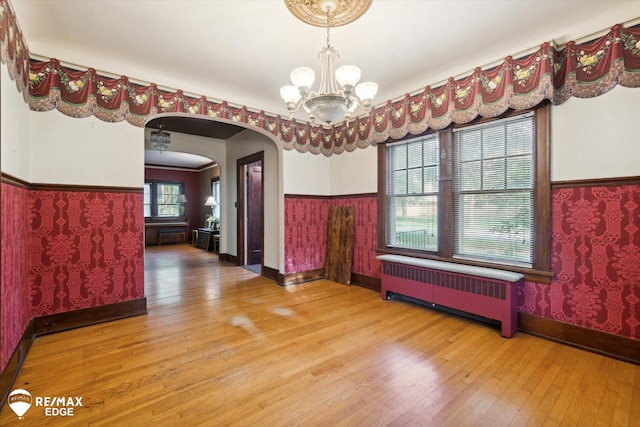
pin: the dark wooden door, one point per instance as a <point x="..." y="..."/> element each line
<point x="254" y="213"/>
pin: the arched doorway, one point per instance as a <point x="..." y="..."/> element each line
<point x="198" y="136"/>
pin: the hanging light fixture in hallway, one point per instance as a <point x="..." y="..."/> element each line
<point x="160" y="138"/>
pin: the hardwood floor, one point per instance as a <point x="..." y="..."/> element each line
<point x="224" y="346"/>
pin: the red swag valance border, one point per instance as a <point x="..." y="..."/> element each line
<point x="582" y="70"/>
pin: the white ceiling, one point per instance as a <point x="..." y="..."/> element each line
<point x="175" y="158"/>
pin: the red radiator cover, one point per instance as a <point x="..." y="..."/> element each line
<point x="490" y="298"/>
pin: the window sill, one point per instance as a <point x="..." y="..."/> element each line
<point x="530" y="274"/>
<point x="164" y="219"/>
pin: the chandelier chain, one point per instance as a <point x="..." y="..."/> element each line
<point x="328" y="27"/>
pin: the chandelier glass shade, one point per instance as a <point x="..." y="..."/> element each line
<point x="160" y="139"/>
<point x="335" y="98"/>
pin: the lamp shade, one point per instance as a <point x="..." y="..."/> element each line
<point x="348" y="75"/>
<point x="290" y="94"/>
<point x="366" y="91"/>
<point x="303" y="77"/>
<point x="182" y="199"/>
<point x="210" y="201"/>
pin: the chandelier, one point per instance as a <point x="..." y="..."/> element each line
<point x="334" y="99"/>
<point x="160" y="139"/>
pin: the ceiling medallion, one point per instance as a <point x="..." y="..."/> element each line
<point x="314" y="12"/>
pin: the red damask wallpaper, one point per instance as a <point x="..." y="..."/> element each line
<point x="596" y="260"/>
<point x="305" y="226"/>
<point x="87" y="249"/>
<point x="15" y="307"/>
<point x="595" y="253"/>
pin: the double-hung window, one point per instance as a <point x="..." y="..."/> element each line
<point x="412" y="193"/>
<point x="161" y="199"/>
<point x="493" y="191"/>
<point x="475" y="194"/>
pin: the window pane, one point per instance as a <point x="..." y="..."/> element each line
<point x="415" y="181"/>
<point x="400" y="182"/>
<point x="496" y="226"/>
<point x="168" y="210"/>
<point x="493" y="142"/>
<point x="215" y="191"/>
<point x="469" y="178"/>
<point x="399" y="155"/>
<point x="147" y="200"/>
<point x="414" y="222"/>
<point x="493" y="174"/>
<point x="147" y="194"/>
<point x="520" y="137"/>
<point x="414" y="154"/>
<point x="167" y="197"/>
<point x="519" y="172"/>
<point x="430" y="152"/>
<point x="470" y="145"/>
<point x="431" y="179"/>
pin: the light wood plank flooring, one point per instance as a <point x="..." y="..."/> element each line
<point x="224" y="346"/>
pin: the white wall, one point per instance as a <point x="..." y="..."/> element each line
<point x="306" y="173"/>
<point x="87" y="151"/>
<point x="597" y="137"/>
<point x="242" y="145"/>
<point x="15" y="129"/>
<point x="355" y="172"/>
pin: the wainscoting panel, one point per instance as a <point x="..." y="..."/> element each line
<point x="596" y="261"/>
<point x="87" y="249"/>
<point x="306" y="220"/>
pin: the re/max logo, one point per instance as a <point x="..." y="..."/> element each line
<point x="58" y="401"/>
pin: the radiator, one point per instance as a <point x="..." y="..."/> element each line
<point x="485" y="292"/>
